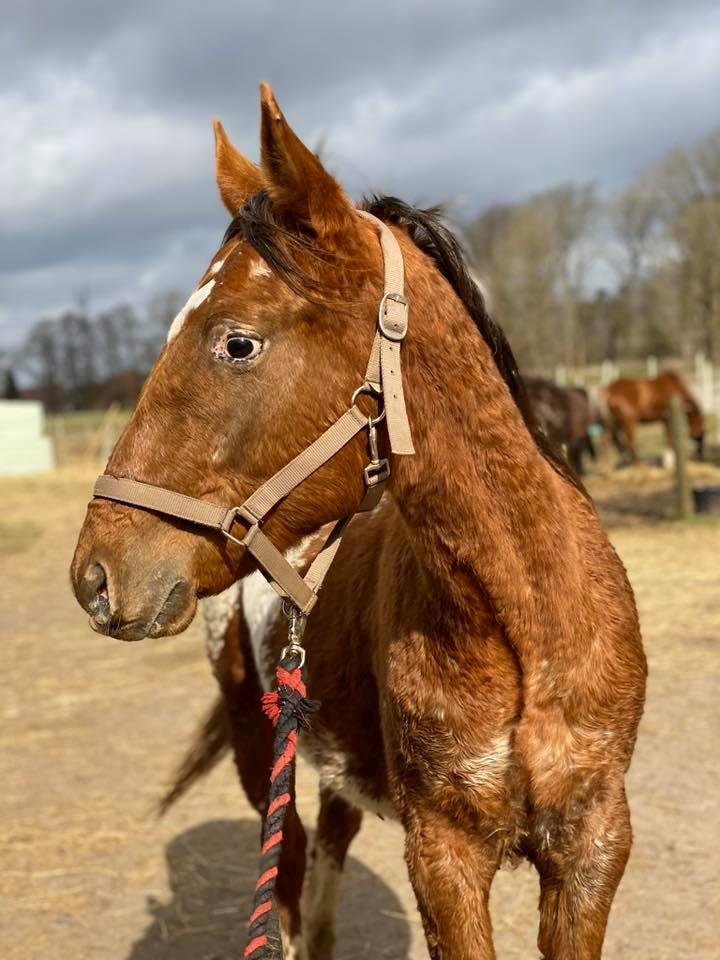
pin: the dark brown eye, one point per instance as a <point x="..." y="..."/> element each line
<point x="242" y="348"/>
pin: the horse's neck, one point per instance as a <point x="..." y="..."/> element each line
<point x="482" y="506"/>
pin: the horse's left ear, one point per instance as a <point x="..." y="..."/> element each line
<point x="237" y="177"/>
<point x="300" y="187"/>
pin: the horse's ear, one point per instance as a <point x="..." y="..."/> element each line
<point x="300" y="187"/>
<point x="237" y="177"/>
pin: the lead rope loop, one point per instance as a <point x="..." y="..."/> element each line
<point x="287" y="707"/>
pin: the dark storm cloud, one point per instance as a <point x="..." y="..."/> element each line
<point x="107" y="176"/>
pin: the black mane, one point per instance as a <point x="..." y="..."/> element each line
<point x="255" y="223"/>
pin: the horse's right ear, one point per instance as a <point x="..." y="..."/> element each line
<point x="298" y="184"/>
<point x="237" y="177"/>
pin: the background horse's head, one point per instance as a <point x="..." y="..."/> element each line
<point x="263" y="357"/>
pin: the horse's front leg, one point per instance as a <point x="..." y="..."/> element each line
<point x="581" y="859"/>
<point x="451" y="869"/>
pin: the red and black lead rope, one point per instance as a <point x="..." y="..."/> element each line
<point x="287" y="707"/>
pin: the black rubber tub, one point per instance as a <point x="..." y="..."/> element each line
<point x="706" y="499"/>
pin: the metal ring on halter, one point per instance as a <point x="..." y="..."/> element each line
<point x="369" y="391"/>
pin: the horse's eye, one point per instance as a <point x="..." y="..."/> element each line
<point x="238" y="347"/>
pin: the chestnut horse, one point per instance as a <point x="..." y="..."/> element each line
<point x="476" y="646"/>
<point x="628" y="401"/>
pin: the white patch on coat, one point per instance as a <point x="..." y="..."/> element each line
<point x="217" y="613"/>
<point x="262" y="607"/>
<point x="319" y="896"/>
<point x="258" y="268"/>
<point x="293" y="949"/>
<point x="325" y="755"/>
<point x="490" y="767"/>
<point x="216" y="267"/>
<point x="194" y="300"/>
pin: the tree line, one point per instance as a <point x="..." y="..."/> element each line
<point x="82" y="361"/>
<point x="655" y="244"/>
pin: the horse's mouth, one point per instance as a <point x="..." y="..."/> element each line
<point x="174" y="615"/>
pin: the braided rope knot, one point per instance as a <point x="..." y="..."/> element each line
<point x="287" y="708"/>
<point x="289" y="700"/>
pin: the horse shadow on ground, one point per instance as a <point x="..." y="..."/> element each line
<point x="211" y="872"/>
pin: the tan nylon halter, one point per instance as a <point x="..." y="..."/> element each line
<point x="383" y="379"/>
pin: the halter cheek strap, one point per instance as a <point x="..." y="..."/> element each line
<point x="383" y="379"/>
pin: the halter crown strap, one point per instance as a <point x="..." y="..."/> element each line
<point x="384" y="372"/>
<point x="383" y="377"/>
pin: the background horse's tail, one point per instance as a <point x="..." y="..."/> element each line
<point x="210" y="744"/>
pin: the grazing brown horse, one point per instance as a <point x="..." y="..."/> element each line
<point x="566" y="415"/>
<point x="628" y="401"/>
<point x="476" y="646"/>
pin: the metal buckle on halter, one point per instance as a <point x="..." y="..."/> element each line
<point x="230" y="519"/>
<point x="397" y="328"/>
<point x="378" y="470"/>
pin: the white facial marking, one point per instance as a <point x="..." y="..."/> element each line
<point x="258" y="268"/>
<point x="194" y="300"/>
<point x="217" y="613"/>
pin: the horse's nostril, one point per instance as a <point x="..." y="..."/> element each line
<point x="95" y="594"/>
<point x="95" y="577"/>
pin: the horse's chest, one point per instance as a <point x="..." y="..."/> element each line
<point x="340" y="769"/>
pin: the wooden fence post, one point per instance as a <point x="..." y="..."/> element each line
<point x="679" y="431"/>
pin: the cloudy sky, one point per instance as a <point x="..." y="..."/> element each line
<point x="106" y="175"/>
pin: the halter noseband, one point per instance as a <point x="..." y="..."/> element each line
<point x="383" y="379"/>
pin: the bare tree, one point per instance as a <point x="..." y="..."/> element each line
<point x="688" y="182"/>
<point x="40" y="358"/>
<point x="570" y="209"/>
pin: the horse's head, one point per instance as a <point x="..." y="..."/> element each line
<point x="263" y="357"/>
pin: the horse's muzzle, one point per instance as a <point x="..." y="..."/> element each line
<point x="166" y="605"/>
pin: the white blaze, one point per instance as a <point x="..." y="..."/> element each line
<point x="194" y="300"/>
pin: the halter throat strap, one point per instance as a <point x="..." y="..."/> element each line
<point x="383" y="379"/>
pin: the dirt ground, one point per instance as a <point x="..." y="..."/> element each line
<point x="91" y="728"/>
